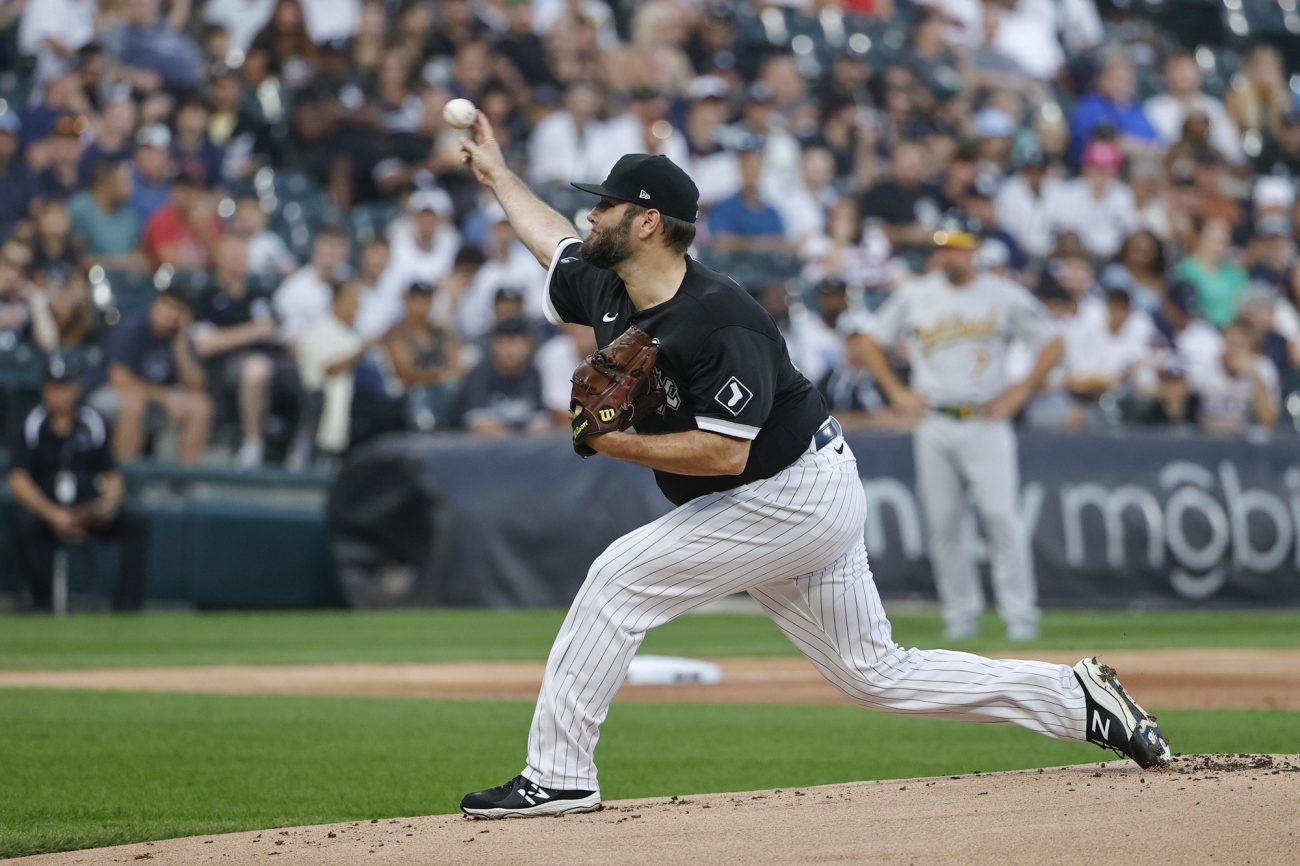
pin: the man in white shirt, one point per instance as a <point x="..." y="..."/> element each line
<point x="1241" y="389"/>
<point x="566" y="144"/>
<point x="242" y="19"/>
<point x="1098" y="206"/>
<point x="1168" y="110"/>
<point x="803" y="206"/>
<point x="556" y="361"/>
<point x="422" y="248"/>
<point x="508" y="264"/>
<point x="52" y="31"/>
<point x="327" y="358"/>
<point x="330" y="20"/>
<point x="304" y="297"/>
<point x="642" y="128"/>
<point x="1022" y="202"/>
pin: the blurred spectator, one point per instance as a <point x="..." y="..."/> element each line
<point x="746" y="222"/>
<point x="1139" y="267"/>
<point x="328" y="355"/>
<point x="812" y="335"/>
<point x="905" y="203"/>
<point x="377" y="311"/>
<point x="556" y="360"/>
<point x="422" y="247"/>
<point x="1175" y="403"/>
<point x="1022" y="206"/>
<point x="1259" y="309"/>
<point x="60" y="149"/>
<point x="1098" y="206"/>
<point x="1259" y="97"/>
<point x="803" y="205"/>
<point x="269" y="259"/>
<point x="194" y="155"/>
<point x="426" y="360"/>
<point x="642" y="128"/>
<point x="183" y="232"/>
<point x="304" y="298"/>
<point x="104" y="226"/>
<point x="1241" y="389"/>
<point x="1184" y="96"/>
<point x="235" y="333"/>
<point x="53" y="257"/>
<point x="853" y="251"/>
<point x="504" y="391"/>
<point x="978" y="203"/>
<point x="16" y="176"/>
<point x="507" y="264"/>
<point x="1194" y="341"/>
<point x="1218" y="280"/>
<point x="1102" y="356"/>
<point x="713" y="167"/>
<point x="241" y="19"/>
<point x="1280" y="153"/>
<point x="1110" y="105"/>
<point x="151" y="185"/>
<point x="52" y="31"/>
<point x="563" y="146"/>
<point x="282" y="49"/>
<point x="1271" y="252"/>
<point x="152" y="53"/>
<point x="70" y="314"/>
<point x="24" y="309"/>
<point x="68" y="488"/>
<point x="1038" y="34"/>
<point x="850" y="391"/>
<point x="111" y="133"/>
<point x="154" y="381"/>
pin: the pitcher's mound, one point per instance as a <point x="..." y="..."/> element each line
<point x="1221" y="808"/>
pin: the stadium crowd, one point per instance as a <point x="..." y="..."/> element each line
<point x="250" y="220"/>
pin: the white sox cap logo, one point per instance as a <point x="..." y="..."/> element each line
<point x="734" y="396"/>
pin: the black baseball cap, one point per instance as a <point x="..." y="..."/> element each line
<point x="651" y="182"/>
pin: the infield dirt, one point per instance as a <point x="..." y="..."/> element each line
<point x="1218" y="808"/>
<point x="1167" y="679"/>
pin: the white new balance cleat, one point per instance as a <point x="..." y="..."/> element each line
<point x="1115" y="721"/>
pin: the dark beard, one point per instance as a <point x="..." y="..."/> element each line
<point x="609" y="247"/>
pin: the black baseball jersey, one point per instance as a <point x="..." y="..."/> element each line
<point x="723" y="364"/>
<point x="67" y="469"/>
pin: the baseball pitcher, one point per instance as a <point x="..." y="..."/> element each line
<point x="768" y="496"/>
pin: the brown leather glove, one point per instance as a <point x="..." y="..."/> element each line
<point x="615" y="387"/>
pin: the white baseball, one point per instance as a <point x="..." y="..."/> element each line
<point x="459" y="113"/>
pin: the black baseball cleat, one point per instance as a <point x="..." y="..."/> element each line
<point x="520" y="798"/>
<point x="1115" y="721"/>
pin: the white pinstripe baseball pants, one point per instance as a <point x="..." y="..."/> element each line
<point x="794" y="541"/>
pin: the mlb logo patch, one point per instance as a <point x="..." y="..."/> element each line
<point x="734" y="396"/>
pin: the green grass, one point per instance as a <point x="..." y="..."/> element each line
<point x="434" y="635"/>
<point x="85" y="769"/>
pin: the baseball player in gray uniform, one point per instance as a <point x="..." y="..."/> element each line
<point x="768" y="499"/>
<point x="956" y="324"/>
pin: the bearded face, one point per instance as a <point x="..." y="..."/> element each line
<point x="607" y="247"/>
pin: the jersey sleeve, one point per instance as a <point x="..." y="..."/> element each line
<point x="886" y="325"/>
<point x="570" y="283"/>
<point x="1028" y="319"/>
<point x="733" y="381"/>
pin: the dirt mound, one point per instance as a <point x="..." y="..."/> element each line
<point x="1233" y="808"/>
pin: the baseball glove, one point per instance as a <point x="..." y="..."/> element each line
<point x="615" y="387"/>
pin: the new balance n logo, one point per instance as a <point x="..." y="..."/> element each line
<point x="1099" y="727"/>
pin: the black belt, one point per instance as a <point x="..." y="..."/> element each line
<point x="962" y="412"/>
<point x="826" y="433"/>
